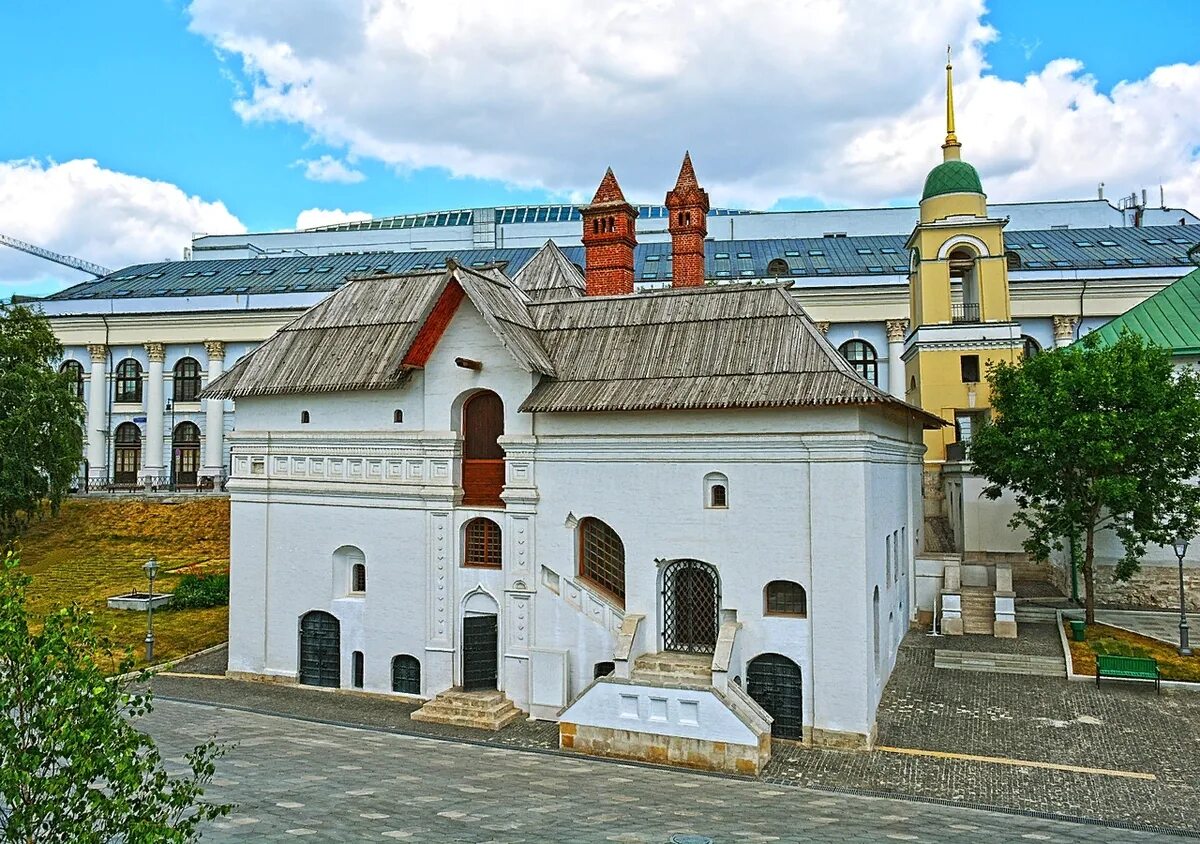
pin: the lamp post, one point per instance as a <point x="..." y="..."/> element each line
<point x="151" y="569"/>
<point x="1181" y="546"/>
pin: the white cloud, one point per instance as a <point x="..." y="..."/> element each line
<point x="330" y="169"/>
<point x="103" y="216"/>
<point x="313" y="217"/>
<point x="776" y="98"/>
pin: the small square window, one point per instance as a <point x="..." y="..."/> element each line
<point x="970" y="369"/>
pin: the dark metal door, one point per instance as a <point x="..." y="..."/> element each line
<point x="774" y="682"/>
<point x="691" y="607"/>
<point x="480" y="643"/>
<point x="406" y="675"/>
<point x="320" y="650"/>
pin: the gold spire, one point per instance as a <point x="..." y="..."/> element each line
<point x="950" y="149"/>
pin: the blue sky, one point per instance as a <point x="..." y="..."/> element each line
<point x="142" y="88"/>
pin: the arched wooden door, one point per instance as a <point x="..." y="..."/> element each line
<point x="691" y="607"/>
<point x="774" y="682"/>
<point x="185" y="454"/>
<point x="483" y="458"/>
<point x="320" y="650"/>
<point x="127" y="454"/>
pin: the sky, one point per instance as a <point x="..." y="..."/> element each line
<point x="127" y="127"/>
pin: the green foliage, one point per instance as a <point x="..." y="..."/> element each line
<point x="41" y="433"/>
<point x="200" y="591"/>
<point x="73" y="768"/>
<point x="1092" y="438"/>
<point x="1115" y="647"/>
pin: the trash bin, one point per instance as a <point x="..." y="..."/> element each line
<point x="1077" y="628"/>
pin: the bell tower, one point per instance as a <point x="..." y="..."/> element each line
<point x="959" y="304"/>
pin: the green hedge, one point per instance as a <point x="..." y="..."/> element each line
<point x="199" y="591"/>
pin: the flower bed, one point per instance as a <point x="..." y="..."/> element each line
<point x="1102" y="639"/>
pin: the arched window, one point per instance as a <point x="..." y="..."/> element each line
<point x="358" y="578"/>
<point x="349" y="571"/>
<point x="74" y="370"/>
<point x="483" y="458"/>
<point x="127" y="454"/>
<point x="1012" y="259"/>
<point x="406" y="674"/>
<point x="777" y="267"/>
<point x="602" y="558"/>
<point x="863" y="358"/>
<point x="398" y="416"/>
<point x="716" y="491"/>
<point x="783" y="597"/>
<point x="185" y="453"/>
<point x="304" y="417"/>
<point x="187" y="380"/>
<point x="482" y="544"/>
<point x="359" y="671"/>
<point x="129" y="382"/>
<point x="1030" y="347"/>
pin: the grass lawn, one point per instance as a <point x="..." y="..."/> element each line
<point x="95" y="549"/>
<point x="1102" y="639"/>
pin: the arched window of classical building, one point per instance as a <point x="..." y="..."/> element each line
<point x="74" y="369"/>
<point x="784" y="597"/>
<point x="963" y="269"/>
<point x="128" y="382"/>
<point x="716" y="491"/>
<point x="304" y="417"/>
<point x="185" y="453"/>
<point x="187" y="380"/>
<point x="483" y="458"/>
<point x="863" y="358"/>
<point x="349" y="571"/>
<point x="1012" y="259"/>
<point x="482" y="543"/>
<point x="778" y="267"/>
<point x="1030" y="346"/>
<point x="602" y="558"/>
<point x="398" y="416"/>
<point x="127" y="454"/>
<point x="406" y="674"/>
<point x="358" y="578"/>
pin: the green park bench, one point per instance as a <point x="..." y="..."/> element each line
<point x="1127" y="668"/>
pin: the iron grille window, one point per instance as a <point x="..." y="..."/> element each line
<point x="602" y="557"/>
<point x="74" y="369"/>
<point x="129" y="382"/>
<point x="406" y="675"/>
<point x="863" y="358"/>
<point x="358" y="578"/>
<point x="719" y="498"/>
<point x="786" y="598"/>
<point x="483" y="544"/>
<point x="187" y="380"/>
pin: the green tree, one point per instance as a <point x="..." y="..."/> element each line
<point x="73" y="768"/>
<point x="1091" y="438"/>
<point x="41" y="421"/>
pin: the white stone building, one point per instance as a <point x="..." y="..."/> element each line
<point x="624" y="512"/>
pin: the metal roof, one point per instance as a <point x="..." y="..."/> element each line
<point x="800" y="259"/>
<point x="501" y="216"/>
<point x="1170" y="318"/>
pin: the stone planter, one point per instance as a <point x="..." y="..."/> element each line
<point x="139" y="601"/>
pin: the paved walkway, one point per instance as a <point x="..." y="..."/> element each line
<point x="294" y="780"/>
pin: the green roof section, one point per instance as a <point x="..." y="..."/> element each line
<point x="951" y="177"/>
<point x="1170" y="318"/>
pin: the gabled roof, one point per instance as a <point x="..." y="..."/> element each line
<point x="1170" y="318"/>
<point x="359" y="338"/>
<point x="550" y="274"/>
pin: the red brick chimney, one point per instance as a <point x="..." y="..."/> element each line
<point x="609" y="238"/>
<point x="687" y="207"/>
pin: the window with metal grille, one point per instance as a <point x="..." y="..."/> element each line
<point x="863" y="358"/>
<point x="187" y="380"/>
<point x="602" y="557"/>
<point x="483" y="544"/>
<point x="718" y="496"/>
<point x="783" y="597"/>
<point x="406" y="674"/>
<point x="129" y="382"/>
<point x="358" y="578"/>
<point x="358" y="669"/>
<point x="74" y="370"/>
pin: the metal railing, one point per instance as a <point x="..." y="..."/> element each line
<point x="154" y="484"/>
<point x="964" y="312"/>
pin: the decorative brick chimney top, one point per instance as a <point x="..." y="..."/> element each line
<point x="609" y="237"/>
<point x="687" y="209"/>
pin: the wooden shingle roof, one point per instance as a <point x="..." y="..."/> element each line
<point x="550" y="275"/>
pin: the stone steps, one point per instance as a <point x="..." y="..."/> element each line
<point x="1031" y="614"/>
<point x="978" y="610"/>
<point x="485" y="710"/>
<point x="992" y="663"/>
<point x="666" y="668"/>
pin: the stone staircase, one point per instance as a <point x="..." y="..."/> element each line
<point x="978" y="610"/>
<point x="994" y="663"/>
<point x="1035" y="613"/>
<point x="668" y="668"/>
<point x="484" y="710"/>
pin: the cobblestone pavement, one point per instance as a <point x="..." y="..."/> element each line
<point x="1034" y="640"/>
<point x="295" y="780"/>
<point x="1120" y="727"/>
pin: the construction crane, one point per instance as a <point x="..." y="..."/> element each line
<point x="57" y="257"/>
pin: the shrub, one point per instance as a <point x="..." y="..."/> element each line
<point x="200" y="591"/>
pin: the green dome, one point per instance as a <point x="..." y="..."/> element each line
<point x="951" y="177"/>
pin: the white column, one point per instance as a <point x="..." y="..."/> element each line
<point x="896" y="330"/>
<point x="214" y="409"/>
<point x="152" y="449"/>
<point x="97" y="434"/>
<point x="1064" y="330"/>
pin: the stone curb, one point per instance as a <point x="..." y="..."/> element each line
<point x="1071" y="675"/>
<point x="159" y="667"/>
